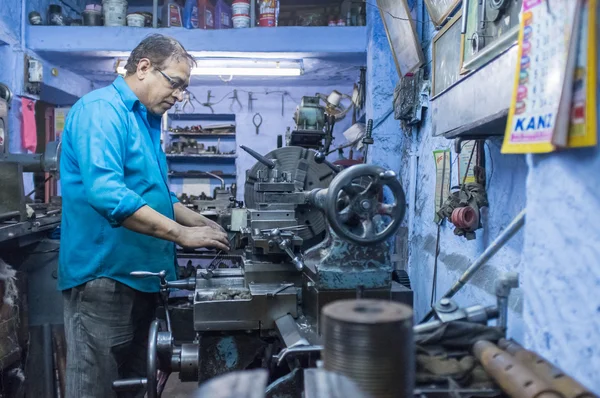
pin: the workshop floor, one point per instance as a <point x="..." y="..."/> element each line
<point x="177" y="389"/>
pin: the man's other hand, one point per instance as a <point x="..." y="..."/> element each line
<point x="196" y="237"/>
<point x="211" y="224"/>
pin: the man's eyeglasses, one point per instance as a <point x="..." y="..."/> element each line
<point x="175" y="84"/>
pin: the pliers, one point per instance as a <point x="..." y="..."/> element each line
<point x="235" y="99"/>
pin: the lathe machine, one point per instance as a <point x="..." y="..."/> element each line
<point x="308" y="236"/>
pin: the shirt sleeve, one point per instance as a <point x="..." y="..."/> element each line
<point x="99" y="135"/>
<point x="174" y="198"/>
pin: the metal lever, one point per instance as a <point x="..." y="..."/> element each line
<point x="267" y="162"/>
<point x="297" y="350"/>
<point x="320" y="158"/>
<point x="142" y="274"/>
<point x="164" y="290"/>
<point x="281" y="289"/>
<point x="285" y="245"/>
<point x="504" y="285"/>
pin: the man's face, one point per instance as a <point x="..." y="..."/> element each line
<point x="164" y="86"/>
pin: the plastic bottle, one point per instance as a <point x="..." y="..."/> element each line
<point x="190" y="14"/>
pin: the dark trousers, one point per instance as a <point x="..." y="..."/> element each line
<point x="106" y="327"/>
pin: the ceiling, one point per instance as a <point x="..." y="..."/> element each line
<point x="92" y="52"/>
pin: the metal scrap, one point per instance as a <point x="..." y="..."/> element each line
<point x="227" y="293"/>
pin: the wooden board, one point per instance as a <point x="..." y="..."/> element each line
<point x="402" y="35"/>
<point x="439" y="10"/>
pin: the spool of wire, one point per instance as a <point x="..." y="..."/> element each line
<point x="371" y="342"/>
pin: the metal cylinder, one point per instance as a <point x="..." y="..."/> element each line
<point x="564" y="384"/>
<point x="371" y="342"/>
<point x="515" y="379"/>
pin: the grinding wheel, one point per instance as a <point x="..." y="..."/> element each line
<point x="307" y="175"/>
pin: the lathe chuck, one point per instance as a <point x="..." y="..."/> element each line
<point x="306" y="174"/>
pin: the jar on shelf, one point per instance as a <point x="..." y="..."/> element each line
<point x="55" y="16"/>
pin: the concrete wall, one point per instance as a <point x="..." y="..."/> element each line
<point x="393" y="148"/>
<point x="561" y="257"/>
<point x="555" y="312"/>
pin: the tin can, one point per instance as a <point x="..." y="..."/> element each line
<point x="266" y="13"/>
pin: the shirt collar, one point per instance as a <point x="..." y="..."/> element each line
<point x="130" y="100"/>
<point x="127" y="95"/>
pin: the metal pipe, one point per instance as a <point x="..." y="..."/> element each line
<point x="216" y="177"/>
<point x="30" y="162"/>
<point x="155" y="14"/>
<point x="492" y="249"/>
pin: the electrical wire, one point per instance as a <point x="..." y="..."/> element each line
<point x="392" y="15"/>
<point x="38" y="186"/>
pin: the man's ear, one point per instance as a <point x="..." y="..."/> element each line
<point x="143" y="68"/>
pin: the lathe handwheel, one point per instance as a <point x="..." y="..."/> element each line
<point x="355" y="194"/>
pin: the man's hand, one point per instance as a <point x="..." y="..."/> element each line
<point x="211" y="224"/>
<point x="196" y="237"/>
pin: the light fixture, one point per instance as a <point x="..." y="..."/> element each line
<point x="239" y="67"/>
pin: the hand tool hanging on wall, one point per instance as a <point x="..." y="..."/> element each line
<point x="251" y="100"/>
<point x="209" y="104"/>
<point x="235" y="99"/>
<point x="257" y="120"/>
<point x="188" y="102"/>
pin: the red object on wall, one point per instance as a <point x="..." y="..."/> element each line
<point x="28" y="130"/>
<point x="465" y="218"/>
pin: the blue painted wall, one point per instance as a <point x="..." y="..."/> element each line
<point x="556" y="311"/>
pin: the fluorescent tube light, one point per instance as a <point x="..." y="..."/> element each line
<point x="242" y="67"/>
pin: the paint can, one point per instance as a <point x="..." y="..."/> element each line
<point x="267" y="10"/>
<point x="115" y="12"/>
<point x="241" y="21"/>
<point x="136" y="20"/>
<point x="92" y="17"/>
<point x="241" y="8"/>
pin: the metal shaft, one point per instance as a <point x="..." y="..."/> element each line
<point x="497" y="244"/>
<point x="368" y="138"/>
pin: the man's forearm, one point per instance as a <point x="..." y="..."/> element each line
<point x="148" y="221"/>
<point x="188" y="217"/>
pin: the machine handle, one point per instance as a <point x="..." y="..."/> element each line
<point x="129" y="384"/>
<point x="348" y="198"/>
<point x="267" y="162"/>
<point x="143" y="274"/>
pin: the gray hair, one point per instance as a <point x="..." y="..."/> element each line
<point x="159" y="49"/>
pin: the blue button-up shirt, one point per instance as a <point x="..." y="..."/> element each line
<point x="111" y="165"/>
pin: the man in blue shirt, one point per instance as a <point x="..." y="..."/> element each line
<point x="119" y="216"/>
